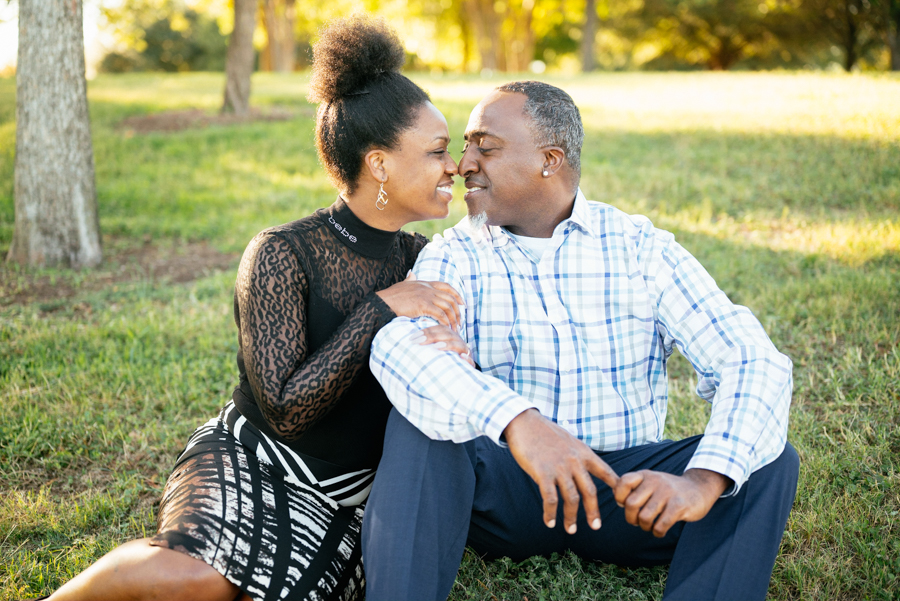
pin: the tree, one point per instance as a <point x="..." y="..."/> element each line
<point x="281" y="47"/>
<point x="891" y="10"/>
<point x="239" y="59"/>
<point x="854" y="26"/>
<point x="56" y="219"/>
<point x="162" y="35"/>
<point x="715" y="33"/>
<point x="588" y="34"/>
<point x="503" y="33"/>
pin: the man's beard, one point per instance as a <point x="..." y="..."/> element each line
<point x="478" y="221"/>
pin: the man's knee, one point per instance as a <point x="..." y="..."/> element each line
<point x="787" y="465"/>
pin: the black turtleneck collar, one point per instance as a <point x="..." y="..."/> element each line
<point x="357" y="235"/>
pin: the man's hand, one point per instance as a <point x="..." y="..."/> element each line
<point x="557" y="460"/>
<point x="657" y="500"/>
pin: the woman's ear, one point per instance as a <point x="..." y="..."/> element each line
<point x="554" y="158"/>
<point x="374" y="163"/>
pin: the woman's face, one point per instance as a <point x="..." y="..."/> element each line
<point x="420" y="170"/>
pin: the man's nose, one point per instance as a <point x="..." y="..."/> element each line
<point x="467" y="165"/>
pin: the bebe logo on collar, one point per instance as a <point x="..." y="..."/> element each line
<point x="341" y="229"/>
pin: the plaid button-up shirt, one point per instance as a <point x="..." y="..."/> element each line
<point x="583" y="333"/>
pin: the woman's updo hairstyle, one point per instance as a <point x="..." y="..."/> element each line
<point x="364" y="101"/>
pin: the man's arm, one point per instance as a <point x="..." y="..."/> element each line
<point x="739" y="370"/>
<point x="433" y="388"/>
<point x="448" y="400"/>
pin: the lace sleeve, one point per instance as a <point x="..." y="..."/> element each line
<point x="293" y="389"/>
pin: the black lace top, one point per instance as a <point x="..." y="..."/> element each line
<point x="306" y="312"/>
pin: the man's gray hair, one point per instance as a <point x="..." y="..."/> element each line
<point x="555" y="120"/>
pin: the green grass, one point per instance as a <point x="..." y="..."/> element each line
<point x="786" y="186"/>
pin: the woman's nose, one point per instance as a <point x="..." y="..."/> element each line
<point x="450" y="166"/>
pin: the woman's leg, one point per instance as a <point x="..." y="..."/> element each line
<point x="139" y="571"/>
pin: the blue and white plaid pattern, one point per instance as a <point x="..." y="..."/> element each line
<point x="583" y="335"/>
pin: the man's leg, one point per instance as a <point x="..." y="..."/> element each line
<point x="729" y="554"/>
<point x="417" y="515"/>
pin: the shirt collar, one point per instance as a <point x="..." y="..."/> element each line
<point x="581" y="214"/>
<point x="580" y="217"/>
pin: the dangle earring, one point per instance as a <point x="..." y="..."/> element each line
<point x="382" y="199"/>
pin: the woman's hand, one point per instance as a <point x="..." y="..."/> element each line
<point x="445" y="339"/>
<point x="412" y="298"/>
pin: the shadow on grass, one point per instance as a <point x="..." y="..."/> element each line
<point x="105" y="398"/>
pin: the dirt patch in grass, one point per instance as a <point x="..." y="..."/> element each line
<point x="177" y="263"/>
<point x="173" y="121"/>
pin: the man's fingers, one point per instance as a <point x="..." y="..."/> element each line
<point x="548" y="494"/>
<point x="626" y="484"/>
<point x="664" y="522"/>
<point x="599" y="468"/>
<point x="571" y="501"/>
<point x="589" y="499"/>
<point x="649" y="512"/>
<point x="635" y="502"/>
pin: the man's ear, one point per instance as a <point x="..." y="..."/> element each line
<point x="554" y="159"/>
<point x="373" y="163"/>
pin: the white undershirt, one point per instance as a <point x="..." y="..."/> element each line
<point x="536" y="246"/>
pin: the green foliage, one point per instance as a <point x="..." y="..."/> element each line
<point x="785" y="186"/>
<point x="163" y="36"/>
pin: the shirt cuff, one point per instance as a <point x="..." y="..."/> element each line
<point x="718" y="456"/>
<point x="507" y="408"/>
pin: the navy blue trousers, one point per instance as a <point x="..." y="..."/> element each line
<point x="430" y="499"/>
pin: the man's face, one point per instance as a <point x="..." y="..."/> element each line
<point x="500" y="162"/>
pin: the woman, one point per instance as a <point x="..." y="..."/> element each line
<point x="265" y="502"/>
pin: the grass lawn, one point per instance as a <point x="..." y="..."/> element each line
<point x="785" y="186"/>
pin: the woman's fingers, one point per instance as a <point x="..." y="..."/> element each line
<point x="447" y="297"/>
<point x="445" y="287"/>
<point x="445" y="339"/>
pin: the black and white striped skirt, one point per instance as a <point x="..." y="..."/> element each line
<point x="276" y="524"/>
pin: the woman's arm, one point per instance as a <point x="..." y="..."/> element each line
<point x="292" y="388"/>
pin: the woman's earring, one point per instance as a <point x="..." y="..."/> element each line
<point x="546" y="174"/>
<point x="382" y="199"/>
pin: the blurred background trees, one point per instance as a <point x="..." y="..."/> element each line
<point x="525" y="35"/>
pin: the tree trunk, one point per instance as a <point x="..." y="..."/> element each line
<point x="278" y="20"/>
<point x="851" y="39"/>
<point x="893" y="33"/>
<point x="288" y="43"/>
<point x="523" y="44"/>
<point x="239" y="59"/>
<point x="55" y="192"/>
<point x="588" y="34"/>
<point x="483" y="20"/>
<point x="894" y="45"/>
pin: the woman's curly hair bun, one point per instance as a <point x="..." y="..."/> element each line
<point x="350" y="53"/>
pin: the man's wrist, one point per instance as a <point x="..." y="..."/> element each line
<point x="712" y="483"/>
<point x="519" y="423"/>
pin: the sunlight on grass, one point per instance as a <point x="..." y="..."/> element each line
<point x="786" y="187"/>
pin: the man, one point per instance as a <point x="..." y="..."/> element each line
<point x="572" y="308"/>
